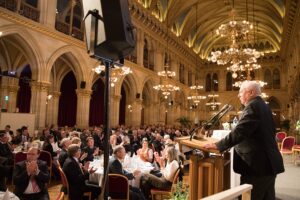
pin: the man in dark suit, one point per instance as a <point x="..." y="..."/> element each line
<point x="256" y="155"/>
<point x="4" y="171"/>
<point x="5" y="148"/>
<point x="78" y="175"/>
<point x="30" y="177"/>
<point x="115" y="167"/>
<point x="63" y="155"/>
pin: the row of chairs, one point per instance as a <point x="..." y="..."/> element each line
<point x="122" y="191"/>
<point x="287" y="145"/>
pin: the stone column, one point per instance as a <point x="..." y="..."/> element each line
<point x="140" y="47"/>
<point x="222" y="81"/>
<point x="158" y="59"/>
<point x="52" y="108"/>
<point x="114" y="110"/>
<point x="175" y="67"/>
<point x="136" y="112"/>
<point x="83" y="107"/>
<point x="12" y="97"/>
<point x="47" y="12"/>
<point x="39" y="92"/>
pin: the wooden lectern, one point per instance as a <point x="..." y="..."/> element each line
<point x="209" y="173"/>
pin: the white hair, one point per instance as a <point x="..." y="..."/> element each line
<point x="251" y="85"/>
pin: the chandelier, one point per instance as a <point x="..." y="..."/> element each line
<point x="213" y="104"/>
<point x="239" y="83"/>
<point x="116" y="73"/>
<point x="165" y="87"/>
<point x="195" y="97"/>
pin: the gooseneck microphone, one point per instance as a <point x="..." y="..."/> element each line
<point x="213" y="121"/>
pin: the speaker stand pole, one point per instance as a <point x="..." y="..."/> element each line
<point x="106" y="127"/>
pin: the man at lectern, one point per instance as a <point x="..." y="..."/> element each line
<point x="256" y="155"/>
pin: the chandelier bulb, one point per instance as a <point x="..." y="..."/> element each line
<point x="234" y="75"/>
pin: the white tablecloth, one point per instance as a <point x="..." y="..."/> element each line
<point x="12" y="196"/>
<point x="130" y="164"/>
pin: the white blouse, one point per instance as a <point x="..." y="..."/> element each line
<point x="170" y="170"/>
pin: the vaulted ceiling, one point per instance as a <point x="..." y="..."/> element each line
<point x="195" y="21"/>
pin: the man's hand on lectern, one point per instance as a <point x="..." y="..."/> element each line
<point x="211" y="146"/>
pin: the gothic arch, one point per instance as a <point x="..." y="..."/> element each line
<point x="27" y="45"/>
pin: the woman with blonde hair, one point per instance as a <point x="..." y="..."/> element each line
<point x="168" y="171"/>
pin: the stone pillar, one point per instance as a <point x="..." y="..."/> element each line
<point x="47" y="12"/>
<point x="12" y="97"/>
<point x="114" y="110"/>
<point x="52" y="108"/>
<point x="222" y="81"/>
<point x="83" y="107"/>
<point x="175" y="67"/>
<point x="158" y="59"/>
<point x="140" y="47"/>
<point x="39" y="92"/>
<point x="136" y="112"/>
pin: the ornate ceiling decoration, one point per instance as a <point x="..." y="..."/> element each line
<point x="267" y="18"/>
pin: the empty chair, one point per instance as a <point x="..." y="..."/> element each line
<point x="118" y="186"/>
<point x="287" y="145"/>
<point x="279" y="138"/>
<point x="296" y="152"/>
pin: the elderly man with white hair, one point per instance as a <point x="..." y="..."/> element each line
<point x="256" y="155"/>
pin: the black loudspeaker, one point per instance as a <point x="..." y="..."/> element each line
<point x="82" y="84"/>
<point x="138" y="95"/>
<point x="117" y="39"/>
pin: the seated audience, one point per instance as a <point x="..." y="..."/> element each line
<point x="145" y="153"/>
<point x="10" y="133"/>
<point x="90" y="149"/>
<point x="77" y="175"/>
<point x="30" y="177"/>
<point x="6" y="149"/>
<point x="115" y="167"/>
<point x="4" y="172"/>
<point x="64" y="143"/>
<point x="168" y="171"/>
<point x="51" y="146"/>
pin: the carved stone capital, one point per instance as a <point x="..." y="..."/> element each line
<point x="84" y="92"/>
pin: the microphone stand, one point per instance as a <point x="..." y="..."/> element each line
<point x="213" y="121"/>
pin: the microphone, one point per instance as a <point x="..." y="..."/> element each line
<point x="213" y="121"/>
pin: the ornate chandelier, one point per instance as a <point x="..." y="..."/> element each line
<point x="165" y="87"/>
<point x="195" y="97"/>
<point x="214" y="103"/>
<point x="239" y="83"/>
<point x="116" y="73"/>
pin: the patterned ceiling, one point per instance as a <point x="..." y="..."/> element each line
<point x="195" y="21"/>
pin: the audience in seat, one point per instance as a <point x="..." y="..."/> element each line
<point x="78" y="174"/>
<point x="145" y="153"/>
<point x="4" y="172"/>
<point x="64" y="143"/>
<point x="115" y="167"/>
<point x="6" y="149"/>
<point x="90" y="149"/>
<point x="168" y="171"/>
<point x="30" y="177"/>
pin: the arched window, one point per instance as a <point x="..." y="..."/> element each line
<point x="268" y="79"/>
<point x="33" y="3"/>
<point x="215" y="82"/>
<point x="276" y="79"/>
<point x="146" y="54"/>
<point x="208" y="83"/>
<point x="166" y="59"/>
<point x="229" y="81"/>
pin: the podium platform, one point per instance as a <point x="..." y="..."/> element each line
<point x="209" y="171"/>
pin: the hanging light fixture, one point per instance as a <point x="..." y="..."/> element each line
<point x="116" y="72"/>
<point x="213" y="103"/>
<point x="165" y="86"/>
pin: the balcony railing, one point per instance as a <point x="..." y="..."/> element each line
<point x="9" y="4"/>
<point x="22" y="8"/>
<point x="29" y="12"/>
<point x="65" y="28"/>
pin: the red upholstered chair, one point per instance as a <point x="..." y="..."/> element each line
<point x="287" y="145"/>
<point x="20" y="156"/>
<point x="46" y="156"/>
<point x="65" y="184"/>
<point x="296" y="151"/>
<point x="279" y="138"/>
<point x="165" y="194"/>
<point x="118" y="187"/>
